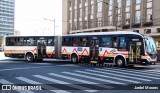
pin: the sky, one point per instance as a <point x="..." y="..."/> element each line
<point x="30" y="14"/>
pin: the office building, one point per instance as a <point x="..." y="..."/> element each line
<point x="7" y="8"/>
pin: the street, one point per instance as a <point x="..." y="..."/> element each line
<point x="76" y="77"/>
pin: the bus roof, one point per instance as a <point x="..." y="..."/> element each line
<point x="105" y="33"/>
<point x="92" y="33"/>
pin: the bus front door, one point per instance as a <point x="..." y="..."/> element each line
<point x="135" y="52"/>
<point x="41" y="48"/>
<point x="94" y="49"/>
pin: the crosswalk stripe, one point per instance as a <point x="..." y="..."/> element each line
<point x="95" y="74"/>
<point x="136" y="71"/>
<point x="150" y="72"/>
<point x="121" y="72"/>
<point x="94" y="78"/>
<point x="81" y="80"/>
<point x="118" y="75"/>
<point x="66" y="83"/>
<point x="3" y="81"/>
<point x="45" y="86"/>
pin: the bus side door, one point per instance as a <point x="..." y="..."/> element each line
<point x="94" y="48"/>
<point x="135" y="51"/>
<point x="41" y="47"/>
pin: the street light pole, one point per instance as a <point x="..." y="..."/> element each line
<point x="54" y="25"/>
<point x="52" y="21"/>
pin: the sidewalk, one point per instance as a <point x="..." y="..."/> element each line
<point x="2" y="55"/>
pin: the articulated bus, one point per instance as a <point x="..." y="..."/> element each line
<point x="121" y="48"/>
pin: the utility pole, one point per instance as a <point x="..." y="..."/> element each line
<point x="54" y="21"/>
<point x="54" y="25"/>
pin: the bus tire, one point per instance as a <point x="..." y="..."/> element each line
<point x="29" y="57"/>
<point x="120" y="62"/>
<point x="74" y="58"/>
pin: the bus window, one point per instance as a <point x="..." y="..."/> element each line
<point x="10" y="41"/>
<point x="106" y="42"/>
<point x="83" y="41"/>
<point x="31" y="41"/>
<point x="66" y="41"/>
<point x="115" y="42"/>
<point x="122" y="42"/>
<point x="20" y="42"/>
<point x="50" y="42"/>
<point x="75" y="41"/>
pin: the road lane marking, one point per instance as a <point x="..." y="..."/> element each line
<point x="127" y="73"/>
<point x="66" y="83"/>
<point x="3" y="81"/>
<point x="69" y="65"/>
<point x="44" y="86"/>
<point x="23" y="68"/>
<point x="81" y="80"/>
<point x="118" y="75"/>
<point x="111" y="77"/>
<point x="135" y="71"/>
<point x="94" y="78"/>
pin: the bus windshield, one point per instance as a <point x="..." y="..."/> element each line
<point x="150" y="46"/>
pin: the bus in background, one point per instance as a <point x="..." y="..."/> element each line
<point x="121" y="48"/>
<point x="32" y="48"/>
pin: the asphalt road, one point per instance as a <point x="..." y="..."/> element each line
<point x="76" y="78"/>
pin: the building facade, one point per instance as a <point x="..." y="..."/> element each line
<point x="142" y="16"/>
<point x="7" y="8"/>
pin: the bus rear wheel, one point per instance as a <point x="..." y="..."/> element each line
<point x="29" y="57"/>
<point x="74" y="58"/>
<point x="120" y="62"/>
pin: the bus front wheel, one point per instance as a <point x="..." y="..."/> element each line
<point x="74" y="58"/>
<point x="120" y="62"/>
<point x="29" y="57"/>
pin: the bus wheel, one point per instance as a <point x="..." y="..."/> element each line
<point x="29" y="57"/>
<point x="74" y="58"/>
<point x="120" y="62"/>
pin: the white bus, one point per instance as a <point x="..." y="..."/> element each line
<point x="121" y="48"/>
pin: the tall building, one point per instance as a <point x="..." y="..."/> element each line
<point x="7" y="8"/>
<point x="142" y="16"/>
<point x="7" y="17"/>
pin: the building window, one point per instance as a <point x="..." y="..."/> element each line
<point x="138" y="17"/>
<point x="138" y="12"/>
<point x="75" y="15"/>
<point x="80" y="13"/>
<point x="149" y="11"/>
<point x="158" y="45"/>
<point x="70" y="15"/>
<point x="128" y="5"/>
<point x="158" y="30"/>
<point x="70" y="26"/>
<point x="80" y="24"/>
<point x="110" y="17"/>
<point x="119" y="2"/>
<point x="75" y="2"/>
<point x="86" y="11"/>
<point x="80" y="1"/>
<point x="147" y="31"/>
<point x="110" y="20"/>
<point x="92" y="9"/>
<point x="136" y="31"/>
<point x="85" y="24"/>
